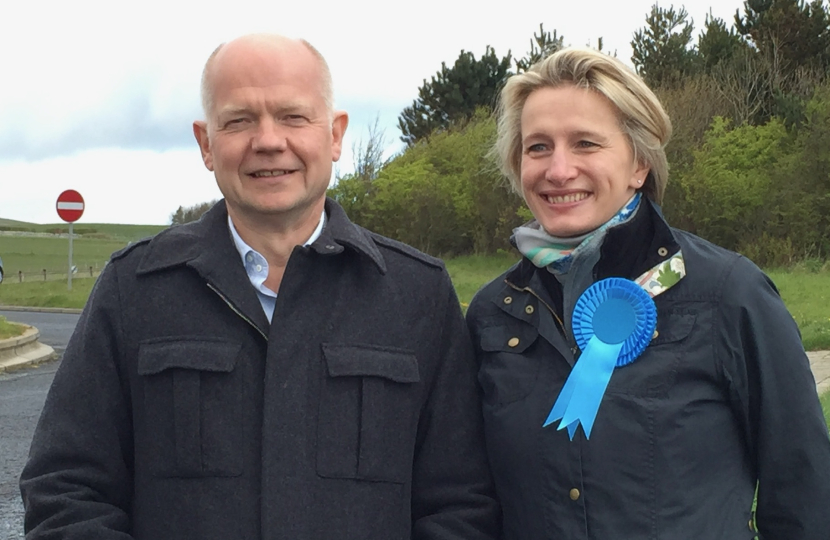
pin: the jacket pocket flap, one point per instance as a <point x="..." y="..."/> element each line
<point x="202" y="354"/>
<point x="362" y="361"/>
<point x="673" y="327"/>
<point x="513" y="339"/>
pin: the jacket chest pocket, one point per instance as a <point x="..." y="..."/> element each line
<point x="654" y="373"/>
<point x="368" y="413"/>
<point x="508" y="370"/>
<point x="192" y="407"/>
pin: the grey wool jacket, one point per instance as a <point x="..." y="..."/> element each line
<point x="179" y="412"/>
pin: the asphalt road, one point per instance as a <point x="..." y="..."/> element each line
<point x="22" y="394"/>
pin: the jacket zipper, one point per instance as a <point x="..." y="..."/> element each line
<point x="243" y="317"/>
<point x="574" y="348"/>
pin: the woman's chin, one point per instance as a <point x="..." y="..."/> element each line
<point x="565" y="230"/>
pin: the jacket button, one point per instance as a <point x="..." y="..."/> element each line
<point x="508" y="299"/>
<point x="752" y="526"/>
<point x="655" y="334"/>
<point x="513" y="342"/>
<point x="662" y="252"/>
<point x="529" y="310"/>
<point x="574" y="494"/>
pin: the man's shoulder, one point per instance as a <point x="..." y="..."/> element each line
<point x="403" y="253"/>
<point x="168" y="239"/>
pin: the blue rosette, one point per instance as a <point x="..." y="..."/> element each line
<point x="613" y="322"/>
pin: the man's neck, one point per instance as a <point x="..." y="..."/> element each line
<point x="275" y="237"/>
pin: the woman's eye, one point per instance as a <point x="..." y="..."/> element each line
<point x="538" y="147"/>
<point x="586" y="144"/>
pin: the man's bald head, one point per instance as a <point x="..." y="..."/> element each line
<point x="277" y="42"/>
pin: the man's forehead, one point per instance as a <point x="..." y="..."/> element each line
<point x="263" y="63"/>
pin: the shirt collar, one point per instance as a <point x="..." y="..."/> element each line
<point x="243" y="248"/>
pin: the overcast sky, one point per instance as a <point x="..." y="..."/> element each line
<point x="99" y="96"/>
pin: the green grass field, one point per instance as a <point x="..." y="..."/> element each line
<point x="31" y="255"/>
<point x="93" y="243"/>
<point x="807" y="296"/>
<point x="113" y="231"/>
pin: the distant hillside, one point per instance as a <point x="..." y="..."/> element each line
<point x="128" y="233"/>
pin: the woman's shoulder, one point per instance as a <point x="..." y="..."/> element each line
<point x="483" y="299"/>
<point x="716" y="267"/>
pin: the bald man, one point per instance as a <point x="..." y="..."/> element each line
<point x="273" y="370"/>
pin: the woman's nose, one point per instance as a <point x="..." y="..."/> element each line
<point x="561" y="166"/>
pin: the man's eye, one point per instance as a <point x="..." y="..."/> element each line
<point x="235" y="121"/>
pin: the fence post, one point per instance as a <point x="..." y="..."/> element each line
<point x="90" y="271"/>
<point x="44" y="274"/>
<point x="20" y="275"/>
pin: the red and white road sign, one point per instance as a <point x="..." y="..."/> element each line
<point x="70" y="206"/>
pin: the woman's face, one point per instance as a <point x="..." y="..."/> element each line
<point x="578" y="168"/>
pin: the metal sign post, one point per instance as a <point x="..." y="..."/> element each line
<point x="69" y="273"/>
<point x="70" y="207"/>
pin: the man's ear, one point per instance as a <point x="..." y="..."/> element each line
<point x="200" y="131"/>
<point x="338" y="128"/>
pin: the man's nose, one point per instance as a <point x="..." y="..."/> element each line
<point x="270" y="136"/>
<point x="561" y="167"/>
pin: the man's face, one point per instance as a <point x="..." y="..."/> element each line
<point x="270" y="137"/>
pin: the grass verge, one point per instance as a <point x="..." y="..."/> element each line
<point x="9" y="330"/>
<point x="46" y="293"/>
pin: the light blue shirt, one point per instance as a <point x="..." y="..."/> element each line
<point x="257" y="267"/>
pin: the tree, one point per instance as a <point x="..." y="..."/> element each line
<point x="454" y="93"/>
<point x="793" y="39"/>
<point x="791" y="33"/>
<point x="541" y="46"/>
<point x="717" y="43"/>
<point x="186" y="214"/>
<point x="353" y="191"/>
<point x="663" y="54"/>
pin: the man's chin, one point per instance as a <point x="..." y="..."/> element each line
<point x="290" y="208"/>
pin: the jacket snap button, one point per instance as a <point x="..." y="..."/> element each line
<point x="662" y="252"/>
<point x="528" y="309"/>
<point x="513" y="342"/>
<point x="574" y="494"/>
<point x="508" y="299"/>
<point x="329" y="246"/>
<point x="655" y="334"/>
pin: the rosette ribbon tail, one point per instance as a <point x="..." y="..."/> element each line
<point x="580" y="398"/>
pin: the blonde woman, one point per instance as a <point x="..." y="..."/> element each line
<point x="638" y="381"/>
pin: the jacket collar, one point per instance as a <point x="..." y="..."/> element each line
<point x="206" y="246"/>
<point x="208" y="240"/>
<point x="661" y="246"/>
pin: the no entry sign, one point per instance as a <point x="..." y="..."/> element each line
<point x="70" y="206"/>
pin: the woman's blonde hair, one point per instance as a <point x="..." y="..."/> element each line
<point x="641" y="115"/>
